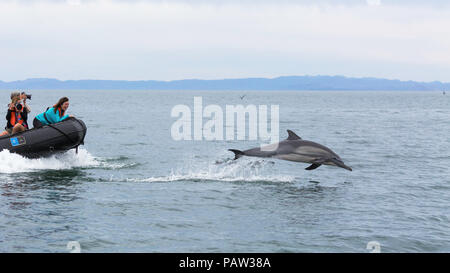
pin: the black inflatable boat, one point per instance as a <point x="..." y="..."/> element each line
<point x="47" y="140"/>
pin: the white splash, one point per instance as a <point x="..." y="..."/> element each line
<point x="243" y="170"/>
<point x="14" y="163"/>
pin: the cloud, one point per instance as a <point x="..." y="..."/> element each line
<point x="183" y="39"/>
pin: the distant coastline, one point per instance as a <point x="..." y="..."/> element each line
<point x="279" y="83"/>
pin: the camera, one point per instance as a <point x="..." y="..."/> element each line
<point x="28" y="95"/>
<point x="19" y="106"/>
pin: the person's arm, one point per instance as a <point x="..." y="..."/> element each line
<point x="64" y="117"/>
<point x="8" y="115"/>
<point x="54" y="117"/>
<point x="8" y="118"/>
<point x="24" y="115"/>
<point x="50" y="116"/>
<point x="27" y="107"/>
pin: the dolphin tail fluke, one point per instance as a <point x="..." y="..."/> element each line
<point x="237" y="153"/>
<point x="313" y="166"/>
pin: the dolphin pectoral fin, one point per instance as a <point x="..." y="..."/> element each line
<point x="292" y="135"/>
<point x="313" y="166"/>
<point x="237" y="153"/>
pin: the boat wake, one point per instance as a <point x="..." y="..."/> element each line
<point x="14" y="163"/>
<point x="243" y="170"/>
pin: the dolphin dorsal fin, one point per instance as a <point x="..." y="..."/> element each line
<point x="292" y="135"/>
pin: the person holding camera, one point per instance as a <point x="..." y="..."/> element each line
<point x="16" y="116"/>
<point x="24" y="96"/>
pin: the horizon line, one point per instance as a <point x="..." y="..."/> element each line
<point x="231" y="78"/>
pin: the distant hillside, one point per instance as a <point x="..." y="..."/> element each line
<point x="280" y="83"/>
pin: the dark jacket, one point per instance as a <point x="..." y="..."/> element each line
<point x="24" y="115"/>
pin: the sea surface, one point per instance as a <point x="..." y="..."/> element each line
<point x="133" y="188"/>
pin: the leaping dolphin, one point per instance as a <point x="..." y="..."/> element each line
<point x="298" y="150"/>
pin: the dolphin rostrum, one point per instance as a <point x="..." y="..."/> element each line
<point x="298" y="150"/>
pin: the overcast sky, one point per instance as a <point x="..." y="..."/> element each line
<point x="168" y="40"/>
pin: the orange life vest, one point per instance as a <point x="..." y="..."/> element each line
<point x="60" y="112"/>
<point x="58" y="109"/>
<point x="13" y="120"/>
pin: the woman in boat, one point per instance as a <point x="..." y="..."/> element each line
<point x="53" y="115"/>
<point x="16" y="116"/>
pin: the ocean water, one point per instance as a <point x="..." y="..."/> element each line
<point x="132" y="188"/>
